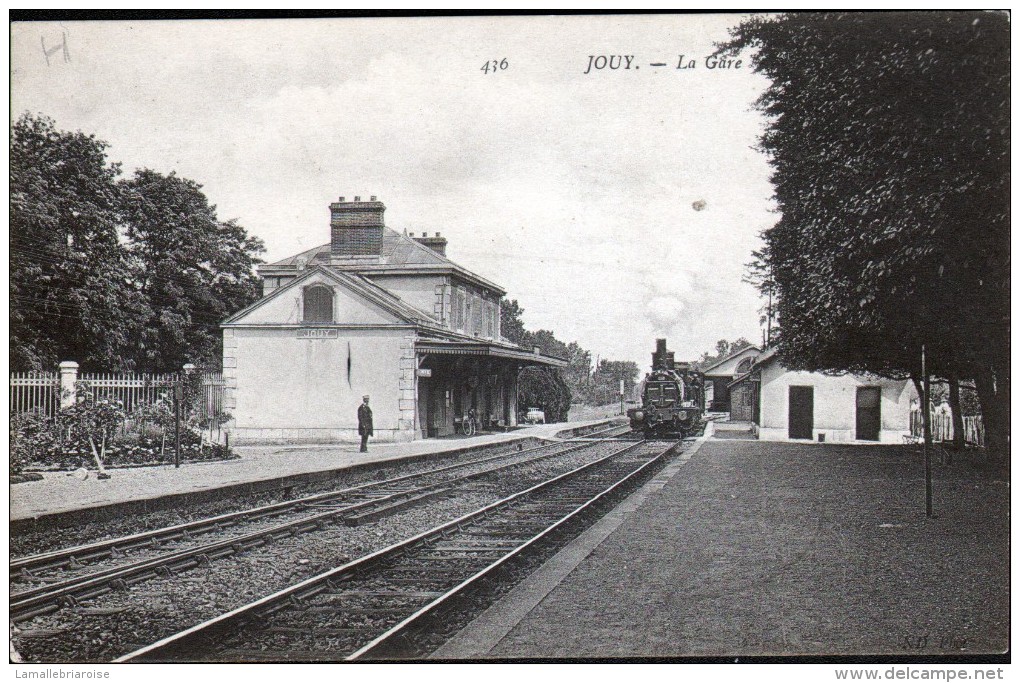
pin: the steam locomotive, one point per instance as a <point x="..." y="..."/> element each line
<point x="672" y="398"/>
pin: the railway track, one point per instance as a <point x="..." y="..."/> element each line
<point x="385" y="605"/>
<point x="65" y="577"/>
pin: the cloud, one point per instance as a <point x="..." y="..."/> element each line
<point x="665" y="313"/>
<point x="574" y="192"/>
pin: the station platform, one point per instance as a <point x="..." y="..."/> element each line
<point x="746" y="549"/>
<point x="60" y="493"/>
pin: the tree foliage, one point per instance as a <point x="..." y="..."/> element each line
<point x="537" y="387"/>
<point x="606" y="380"/>
<point x="579" y="381"/>
<point x="723" y="348"/>
<point x="192" y="269"/>
<point x="889" y="139"/>
<point x="70" y="291"/>
<point x="115" y="274"/>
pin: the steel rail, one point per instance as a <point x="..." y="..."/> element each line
<point x="378" y="645"/>
<point x="206" y="631"/>
<point x="48" y="598"/>
<point x="110" y="547"/>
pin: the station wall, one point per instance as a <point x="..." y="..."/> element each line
<point x="294" y="384"/>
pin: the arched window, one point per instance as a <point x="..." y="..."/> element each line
<point x="318" y="304"/>
<point x="744" y="365"/>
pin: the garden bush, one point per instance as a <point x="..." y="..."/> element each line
<point x="95" y="432"/>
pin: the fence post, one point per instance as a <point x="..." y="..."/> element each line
<point x="178" y="399"/>
<point x="68" y="380"/>
<point x="178" y="395"/>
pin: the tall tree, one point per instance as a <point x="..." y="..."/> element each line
<point x="577" y="375"/>
<point x="511" y="322"/>
<point x="543" y="387"/>
<point x="192" y="268"/>
<point x="70" y="295"/>
<point x="607" y="379"/>
<point x="889" y="139"/>
<point x="723" y="348"/>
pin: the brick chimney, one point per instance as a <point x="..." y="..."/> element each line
<point x="436" y="244"/>
<point x="356" y="228"/>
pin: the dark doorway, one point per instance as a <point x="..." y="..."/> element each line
<point x="741" y="399"/>
<point x="802" y="412"/>
<point x="439" y="423"/>
<point x="869" y="413"/>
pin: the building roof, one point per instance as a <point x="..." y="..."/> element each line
<point x="432" y="337"/>
<point x="759" y="362"/>
<point x="400" y="253"/>
<point x="355" y="282"/>
<point x="708" y="370"/>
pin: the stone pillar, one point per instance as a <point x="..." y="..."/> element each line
<point x="512" y="396"/>
<point x="68" y="379"/>
<point x="229" y="370"/>
<point x="407" y="389"/>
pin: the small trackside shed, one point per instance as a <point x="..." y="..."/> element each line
<point x="794" y="405"/>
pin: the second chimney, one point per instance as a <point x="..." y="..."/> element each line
<point x="356" y="228"/>
<point x="436" y="244"/>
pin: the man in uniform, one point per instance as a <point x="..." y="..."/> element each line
<point x="365" y="424"/>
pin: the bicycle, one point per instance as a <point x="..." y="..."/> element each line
<point x="470" y="425"/>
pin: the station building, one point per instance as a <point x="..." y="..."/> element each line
<point x="721" y="374"/>
<point x="795" y="405"/>
<point x="373" y="312"/>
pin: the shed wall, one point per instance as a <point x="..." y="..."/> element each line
<point x="835" y="405"/>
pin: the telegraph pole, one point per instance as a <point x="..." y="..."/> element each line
<point x="926" y="421"/>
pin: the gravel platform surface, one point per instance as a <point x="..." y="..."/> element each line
<point x="787" y="549"/>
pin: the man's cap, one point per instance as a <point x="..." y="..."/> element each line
<point x="364" y="396"/>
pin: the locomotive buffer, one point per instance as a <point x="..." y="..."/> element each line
<point x="672" y="398"/>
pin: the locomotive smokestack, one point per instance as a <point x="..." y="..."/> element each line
<point x="662" y="359"/>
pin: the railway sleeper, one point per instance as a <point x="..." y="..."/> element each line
<point x="477" y="555"/>
<point x="28" y="615"/>
<point x="496" y="529"/>
<point x="487" y="548"/>
<point x="380" y="513"/>
<point x="265" y="656"/>
<point x="461" y="572"/>
<point x="358" y="611"/>
<point x="431" y="558"/>
<point x="419" y="580"/>
<point x="428" y="595"/>
<point x="494" y="537"/>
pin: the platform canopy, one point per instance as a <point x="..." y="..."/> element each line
<point x="449" y="347"/>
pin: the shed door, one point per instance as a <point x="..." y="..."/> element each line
<point x="740" y="402"/>
<point x="802" y="412"/>
<point x="869" y="413"/>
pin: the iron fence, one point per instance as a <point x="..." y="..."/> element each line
<point x="44" y="393"/>
<point x="35" y="392"/>
<point x="942" y="427"/>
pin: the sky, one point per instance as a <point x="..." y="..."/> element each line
<point x="616" y="206"/>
